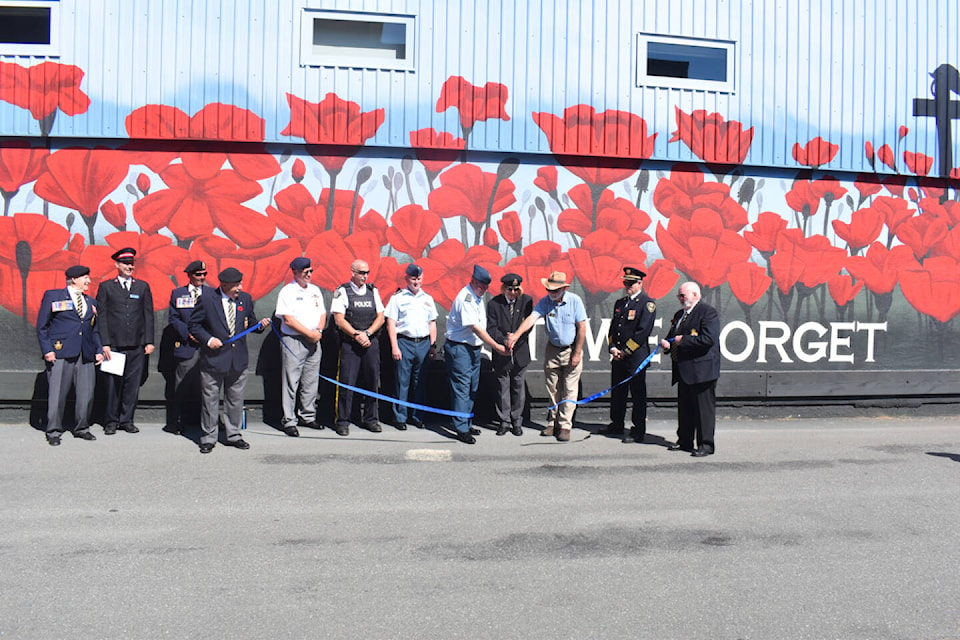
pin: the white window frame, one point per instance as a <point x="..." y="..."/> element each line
<point x="51" y="50"/>
<point x="311" y="58"/>
<point x="645" y="80"/>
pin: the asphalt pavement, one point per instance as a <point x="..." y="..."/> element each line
<point x="797" y="528"/>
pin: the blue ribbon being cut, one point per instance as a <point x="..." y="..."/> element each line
<point x="242" y="333"/>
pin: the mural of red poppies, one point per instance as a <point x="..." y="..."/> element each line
<point x="711" y="138"/>
<point x="43" y="89"/>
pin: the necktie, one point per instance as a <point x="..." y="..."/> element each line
<point x="126" y="284"/>
<point x="81" y="307"/>
<point x="196" y="294"/>
<point x="231" y="316"/>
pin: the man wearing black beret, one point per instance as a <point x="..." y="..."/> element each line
<point x="126" y="326"/>
<point x="70" y="343"/>
<point x="219" y="317"/>
<point x="504" y="314"/>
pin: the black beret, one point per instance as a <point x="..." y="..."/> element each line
<point x="414" y="270"/>
<point x="77" y="270"/>
<point x="196" y="265"/>
<point x="299" y="264"/>
<point x="230" y="275"/>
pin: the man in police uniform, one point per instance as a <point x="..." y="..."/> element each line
<point x="630" y="327"/>
<point x="126" y="326"/>
<point x="70" y="343"/>
<point x="301" y="309"/>
<point x="412" y="328"/>
<point x="358" y="313"/>
<point x="504" y="314"/>
<point x="185" y="353"/>
<point x="218" y="318"/>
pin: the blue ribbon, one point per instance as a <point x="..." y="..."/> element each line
<point x="599" y="394"/>
<point x="378" y="396"/>
<point x="241" y="334"/>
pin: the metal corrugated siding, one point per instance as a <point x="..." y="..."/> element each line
<point x="846" y="70"/>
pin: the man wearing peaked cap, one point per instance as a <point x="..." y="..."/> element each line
<point x="504" y="314"/>
<point x="183" y="400"/>
<point x="70" y="343"/>
<point x="411" y="316"/>
<point x="628" y="339"/>
<point x="466" y="333"/>
<point x="565" y="322"/>
<point x="127" y="327"/>
<point x="302" y="315"/>
<point x="220" y="316"/>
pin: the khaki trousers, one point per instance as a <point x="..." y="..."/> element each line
<point x="563" y="382"/>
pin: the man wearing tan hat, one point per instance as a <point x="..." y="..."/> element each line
<point x="565" y="321"/>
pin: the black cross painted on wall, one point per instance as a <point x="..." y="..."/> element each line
<point x="946" y="79"/>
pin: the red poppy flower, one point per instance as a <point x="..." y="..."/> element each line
<point x="80" y="179"/>
<point x="511" y="230"/>
<point x="864" y="227"/>
<point x="300" y="217"/>
<point x="934" y="287"/>
<point x="702" y="247"/>
<point x="948" y="211"/>
<point x="391" y="276"/>
<point x="412" y="228"/>
<point x="885" y="153"/>
<point x="43" y="88"/>
<point x="917" y="163"/>
<point x="686" y="192"/>
<point x="614" y="214"/>
<point x="547" y="179"/>
<point x="599" y="148"/>
<point x="598" y="264"/>
<point x="843" y="289"/>
<point x="263" y="268"/>
<point x="466" y="191"/>
<point x="143" y="183"/>
<point x="335" y="122"/>
<point x="815" y="153"/>
<point x="748" y="282"/>
<point x="661" y="279"/>
<point x="191" y="207"/>
<point x="298" y="171"/>
<point x="764" y="232"/>
<point x="803" y="198"/>
<point x="475" y="104"/>
<point x="867" y="184"/>
<point x="921" y="233"/>
<point x="332" y="252"/>
<point x="372" y="222"/>
<point x="157" y="258"/>
<point x="29" y="241"/>
<point x="115" y="214"/>
<point x="20" y="163"/>
<point x="880" y="268"/>
<point x="711" y="139"/>
<point x="808" y="260"/>
<point x="894" y="210"/>
<point x="490" y="238"/>
<point x="828" y="188"/>
<point x="449" y="266"/>
<point x="903" y="131"/>
<point x="435" y="151"/>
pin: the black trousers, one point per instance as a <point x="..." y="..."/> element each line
<point x="696" y="414"/>
<point x="358" y="363"/>
<point x="637" y="389"/>
<point x="123" y="391"/>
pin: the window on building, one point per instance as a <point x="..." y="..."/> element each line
<point x="29" y="27"/>
<point x="364" y="40"/>
<point x="685" y="63"/>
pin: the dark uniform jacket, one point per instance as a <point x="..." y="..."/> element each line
<point x="62" y="331"/>
<point x="500" y="323"/>
<point x="126" y="318"/>
<point x="631" y="325"/>
<point x="208" y="320"/>
<point x="181" y="306"/>
<point x="698" y="354"/>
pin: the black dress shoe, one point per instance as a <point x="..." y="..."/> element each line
<point x="517" y="430"/>
<point x="239" y="443"/>
<point x="474" y="431"/>
<point x="53" y="441"/>
<point x="679" y="447"/>
<point x="466" y="437"/>
<point x="206" y="447"/>
<point x="400" y="426"/>
<point x="702" y="453"/>
<point x="129" y="428"/>
<point x="502" y="430"/>
<point x="342" y="429"/>
<point x="373" y="427"/>
<point x="292" y="432"/>
<point x="84" y="435"/>
<point x="415" y="422"/>
<point x="109" y="429"/>
<point x="311" y="425"/>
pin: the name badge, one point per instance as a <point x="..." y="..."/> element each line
<point x="61" y="305"/>
<point x="186" y="302"/>
<point x="134" y="296"/>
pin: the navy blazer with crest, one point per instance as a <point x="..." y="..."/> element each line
<point x="698" y="354"/>
<point x="178" y="316"/>
<point x="209" y="321"/>
<point x="61" y="330"/>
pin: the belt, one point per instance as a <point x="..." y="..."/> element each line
<point x="464" y="344"/>
<point x="561" y="348"/>
<point x="411" y="339"/>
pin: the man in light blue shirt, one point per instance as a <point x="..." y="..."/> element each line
<point x="466" y="333"/>
<point x="565" y="321"/>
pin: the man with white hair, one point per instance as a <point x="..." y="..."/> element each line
<point x="693" y="343"/>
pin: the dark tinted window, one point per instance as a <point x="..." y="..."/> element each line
<point x="25" y="25"/>
<point x="686" y="61"/>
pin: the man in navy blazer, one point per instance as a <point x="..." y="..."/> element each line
<point x="185" y="347"/>
<point x="218" y="318"/>
<point x="695" y="354"/>
<point x="70" y="342"/>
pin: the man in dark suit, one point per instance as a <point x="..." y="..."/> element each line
<point x="218" y="318"/>
<point x="630" y="327"/>
<point x="70" y="342"/>
<point x="126" y="326"/>
<point x="505" y="312"/>
<point x="186" y="374"/>
<point x="694" y="346"/>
